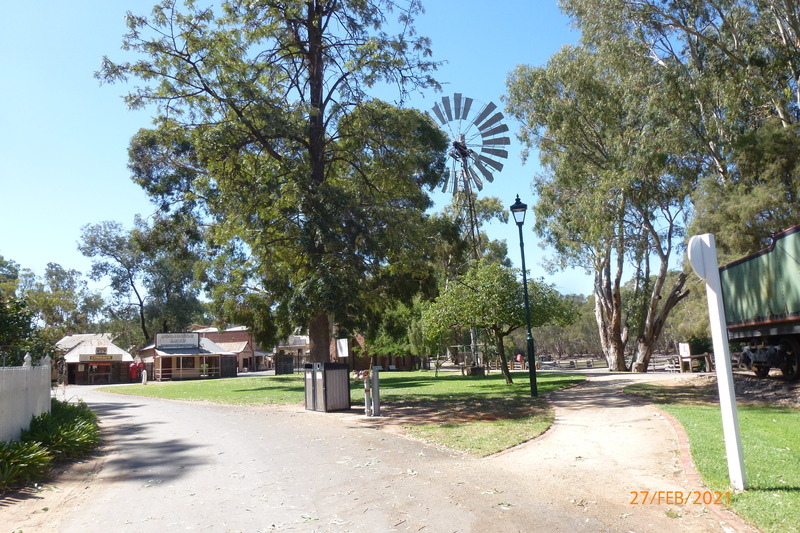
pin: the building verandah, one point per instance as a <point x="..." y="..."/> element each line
<point x="177" y="356"/>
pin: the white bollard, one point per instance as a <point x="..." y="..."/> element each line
<point x="367" y="395"/>
<point x="376" y="392"/>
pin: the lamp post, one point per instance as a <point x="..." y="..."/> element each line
<point x="518" y="210"/>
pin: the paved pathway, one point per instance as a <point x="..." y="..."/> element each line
<point x="203" y="467"/>
<point x="606" y="446"/>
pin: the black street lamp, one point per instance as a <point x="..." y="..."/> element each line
<point x="518" y="210"/>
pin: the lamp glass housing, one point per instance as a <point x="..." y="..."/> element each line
<point x="519" y="210"/>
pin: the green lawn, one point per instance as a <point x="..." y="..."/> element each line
<point x="484" y="415"/>
<point x="771" y="448"/>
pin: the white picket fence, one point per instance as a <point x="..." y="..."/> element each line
<point x="24" y="393"/>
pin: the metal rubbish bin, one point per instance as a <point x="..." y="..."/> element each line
<point x="327" y="387"/>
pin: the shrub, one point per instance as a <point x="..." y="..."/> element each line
<point x="68" y="430"/>
<point x="22" y="462"/>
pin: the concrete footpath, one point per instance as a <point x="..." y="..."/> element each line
<point x="617" y="457"/>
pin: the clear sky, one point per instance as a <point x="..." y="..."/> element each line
<point x="64" y="138"/>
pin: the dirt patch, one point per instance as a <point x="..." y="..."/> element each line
<point x="750" y="390"/>
<point x="39" y="507"/>
<point x="402" y="414"/>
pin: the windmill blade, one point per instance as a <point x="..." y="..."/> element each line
<point x="439" y="114"/>
<point x="467" y="107"/>
<point x="501" y="141"/>
<point x="497" y="117"/>
<point x="502" y="128"/>
<point x="492" y="163"/>
<point x="455" y="181"/>
<point x="446" y="181"/>
<point x="457" y="103"/>
<point x="490" y="107"/>
<point x="494" y="152"/>
<point x="475" y="178"/>
<point x="485" y="171"/>
<point x="447" y="110"/>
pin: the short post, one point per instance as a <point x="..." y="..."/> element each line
<point x="376" y="391"/>
<point x="367" y="394"/>
<point x="703" y="258"/>
<point x="363" y="375"/>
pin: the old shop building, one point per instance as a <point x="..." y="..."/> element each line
<point x="239" y="340"/>
<point x="93" y="359"/>
<point x="176" y="356"/>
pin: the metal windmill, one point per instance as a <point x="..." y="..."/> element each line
<point x="478" y="141"/>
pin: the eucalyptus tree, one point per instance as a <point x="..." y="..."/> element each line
<point x="264" y="130"/>
<point x="730" y="71"/>
<point x="614" y="190"/>
<point x="150" y="268"/>
<point x="118" y="258"/>
<point x="60" y="299"/>
<point x="60" y="303"/>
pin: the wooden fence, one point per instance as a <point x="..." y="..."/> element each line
<point x="24" y="394"/>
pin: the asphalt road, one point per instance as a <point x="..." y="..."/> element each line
<point x="180" y="466"/>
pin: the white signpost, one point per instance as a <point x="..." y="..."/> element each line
<point x="703" y="258"/>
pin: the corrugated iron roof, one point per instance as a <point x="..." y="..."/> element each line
<point x="236" y="347"/>
<point x="86" y="344"/>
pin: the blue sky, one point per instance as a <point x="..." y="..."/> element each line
<point x="64" y="138"/>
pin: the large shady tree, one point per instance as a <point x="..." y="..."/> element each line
<point x="264" y="131"/>
<point x="729" y="71"/>
<point x="613" y="196"/>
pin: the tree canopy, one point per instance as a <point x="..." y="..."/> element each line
<point x="150" y="269"/>
<point x="265" y="132"/>
<point x="614" y="190"/>
<point x="728" y="72"/>
<point x="489" y="296"/>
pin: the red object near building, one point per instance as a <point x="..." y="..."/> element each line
<point x="132" y="370"/>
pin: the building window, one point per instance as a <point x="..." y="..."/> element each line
<point x="187" y="362"/>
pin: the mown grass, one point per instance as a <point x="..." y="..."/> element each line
<point x="478" y="415"/>
<point x="251" y="390"/>
<point x="770" y="445"/>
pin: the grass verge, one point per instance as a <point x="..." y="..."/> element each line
<point x="478" y="415"/>
<point x="770" y="444"/>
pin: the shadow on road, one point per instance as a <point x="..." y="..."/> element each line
<point x="133" y="451"/>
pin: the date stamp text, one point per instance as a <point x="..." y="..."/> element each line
<point x="679" y="497"/>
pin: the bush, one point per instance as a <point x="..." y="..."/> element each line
<point x="67" y="431"/>
<point x="23" y="462"/>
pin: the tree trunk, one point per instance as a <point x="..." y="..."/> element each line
<point x="656" y="318"/>
<point x="501" y="352"/>
<point x="608" y="313"/>
<point x="319" y="337"/>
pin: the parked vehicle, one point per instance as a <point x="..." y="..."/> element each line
<point x="761" y="294"/>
